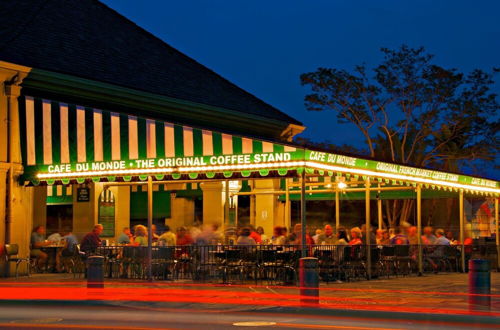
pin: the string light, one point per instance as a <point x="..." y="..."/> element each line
<point x="341" y="185"/>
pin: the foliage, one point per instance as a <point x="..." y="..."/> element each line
<point x="412" y="111"/>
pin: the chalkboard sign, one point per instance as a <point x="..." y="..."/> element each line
<point x="82" y="194"/>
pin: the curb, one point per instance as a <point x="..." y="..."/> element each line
<point x="402" y="316"/>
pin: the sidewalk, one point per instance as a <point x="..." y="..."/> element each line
<point x="433" y="295"/>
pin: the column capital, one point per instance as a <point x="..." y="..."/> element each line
<point x="11" y="80"/>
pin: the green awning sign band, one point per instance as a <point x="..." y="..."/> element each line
<point x="74" y="143"/>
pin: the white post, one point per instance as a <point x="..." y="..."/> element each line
<point x="303" y="212"/>
<point x="462" y="237"/>
<point x="496" y="232"/>
<point x="419" y="229"/>
<point x="150" y="228"/>
<point x="367" y="233"/>
<point x="288" y="221"/>
<point x="337" y="210"/>
<point x="379" y="209"/>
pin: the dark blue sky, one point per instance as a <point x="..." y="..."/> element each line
<point x="263" y="46"/>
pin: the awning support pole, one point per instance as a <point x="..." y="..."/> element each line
<point x="150" y="228"/>
<point x="225" y="222"/>
<point x="303" y="211"/>
<point x="462" y="237"/>
<point x="337" y="210"/>
<point x="496" y="232"/>
<point x="419" y="230"/>
<point x="379" y="209"/>
<point x="287" y="222"/>
<point x="367" y="233"/>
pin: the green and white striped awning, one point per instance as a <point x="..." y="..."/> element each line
<point x="59" y="194"/>
<point x="67" y="143"/>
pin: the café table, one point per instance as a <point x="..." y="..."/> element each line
<point x="52" y="251"/>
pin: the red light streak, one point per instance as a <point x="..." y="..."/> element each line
<point x="208" y="296"/>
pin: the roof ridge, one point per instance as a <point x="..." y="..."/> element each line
<point x="189" y="58"/>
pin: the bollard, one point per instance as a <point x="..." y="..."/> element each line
<point x="95" y="272"/>
<point x="479" y="283"/>
<point x="309" y="280"/>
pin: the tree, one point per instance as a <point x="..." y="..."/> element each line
<point x="414" y="112"/>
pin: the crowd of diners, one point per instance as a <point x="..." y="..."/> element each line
<point x="65" y="241"/>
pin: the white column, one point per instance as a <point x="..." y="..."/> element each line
<point x="462" y="237"/>
<point x="419" y="229"/>
<point x="367" y="233"/>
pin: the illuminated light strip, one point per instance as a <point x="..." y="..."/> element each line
<point x="163" y="170"/>
<point x="103" y="173"/>
<point x="237" y="167"/>
<point x="261" y="166"/>
<point x="400" y="177"/>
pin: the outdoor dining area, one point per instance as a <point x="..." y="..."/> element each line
<point x="267" y="264"/>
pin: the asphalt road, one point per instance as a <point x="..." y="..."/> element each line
<point x="30" y="316"/>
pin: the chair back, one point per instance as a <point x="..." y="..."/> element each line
<point x="232" y="255"/>
<point x="388" y="251"/>
<point x="11" y="249"/>
<point x="267" y="255"/>
<point x="163" y="253"/>
<point x="402" y="250"/>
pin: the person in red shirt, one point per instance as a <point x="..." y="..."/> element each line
<point x="91" y="241"/>
<point x="255" y="235"/>
<point x="183" y="237"/>
<point x="355" y="236"/>
<point x="295" y="238"/>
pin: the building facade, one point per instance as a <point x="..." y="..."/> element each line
<point x="99" y="118"/>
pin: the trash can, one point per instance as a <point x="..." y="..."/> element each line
<point x="479" y="284"/>
<point x="309" y="280"/>
<point x="95" y="272"/>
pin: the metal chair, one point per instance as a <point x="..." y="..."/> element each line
<point x="388" y="260"/>
<point x="327" y="264"/>
<point x="162" y="262"/>
<point x="11" y="255"/>
<point x="403" y="259"/>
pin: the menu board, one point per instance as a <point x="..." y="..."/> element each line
<point x="82" y="194"/>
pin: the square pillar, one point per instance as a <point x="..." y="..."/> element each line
<point x="181" y="213"/>
<point x="267" y="205"/>
<point x="213" y="203"/>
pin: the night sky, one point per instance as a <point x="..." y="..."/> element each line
<point x="263" y="46"/>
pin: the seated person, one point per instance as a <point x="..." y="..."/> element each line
<point x="125" y="237"/>
<point x="155" y="235"/>
<point x="183" y="237"/>
<point x="167" y="238"/>
<point x="399" y="238"/>
<point x="92" y="241"/>
<point x="37" y="242"/>
<point x="328" y="238"/>
<point x="386" y="238"/>
<point x="356" y="236"/>
<point x="69" y="242"/>
<point x="244" y="238"/>
<point x="55" y="238"/>
<point x="141" y="236"/>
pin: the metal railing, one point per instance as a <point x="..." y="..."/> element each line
<point x="278" y="265"/>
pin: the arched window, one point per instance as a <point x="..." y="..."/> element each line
<point x="107" y="212"/>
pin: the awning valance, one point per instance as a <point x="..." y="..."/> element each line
<point x="63" y="143"/>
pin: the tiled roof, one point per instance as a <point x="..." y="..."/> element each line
<point x="87" y="39"/>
